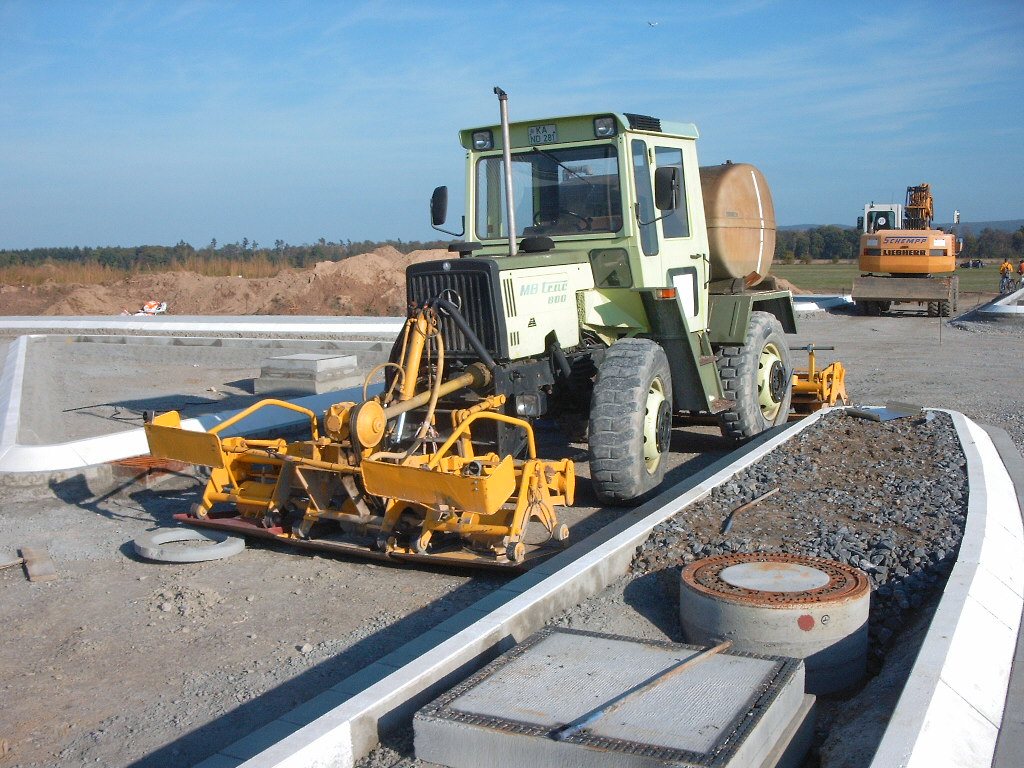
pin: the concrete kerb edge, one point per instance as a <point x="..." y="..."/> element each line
<point x="808" y="303"/>
<point x="1005" y="307"/>
<point x="270" y="344"/>
<point x="10" y="392"/>
<point x="1010" y="743"/>
<point x="951" y="706"/>
<point x="350" y="730"/>
<point x="349" y="325"/>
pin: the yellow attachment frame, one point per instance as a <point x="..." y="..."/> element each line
<point x="422" y="502"/>
<point x="814" y="388"/>
<point x="488" y="501"/>
<point x="243" y="472"/>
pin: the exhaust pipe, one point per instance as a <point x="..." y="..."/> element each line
<point x="506" y="152"/>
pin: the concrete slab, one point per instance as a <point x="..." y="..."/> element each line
<point x="1006" y="309"/>
<point x="728" y="709"/>
<point x="954" y="735"/>
<point x="307" y="373"/>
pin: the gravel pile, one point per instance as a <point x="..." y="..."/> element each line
<point x="889" y="498"/>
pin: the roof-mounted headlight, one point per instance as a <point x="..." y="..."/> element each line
<point x="482" y="140"/>
<point x="604" y="127"/>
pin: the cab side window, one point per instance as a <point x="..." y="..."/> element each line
<point x="676" y="223"/>
<point x="644" y="197"/>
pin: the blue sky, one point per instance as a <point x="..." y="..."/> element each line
<point x="129" y="123"/>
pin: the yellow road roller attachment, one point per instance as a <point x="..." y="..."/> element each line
<point x="386" y="478"/>
<point x="814" y="388"/>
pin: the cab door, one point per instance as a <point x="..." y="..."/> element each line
<point x="684" y="251"/>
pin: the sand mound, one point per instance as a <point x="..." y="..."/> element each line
<point x="369" y="284"/>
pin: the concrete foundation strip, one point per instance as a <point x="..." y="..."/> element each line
<point x="89" y="452"/>
<point x="951" y="706"/>
<point x="93" y="451"/>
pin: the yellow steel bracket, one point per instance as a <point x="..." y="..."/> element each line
<point x="813" y="389"/>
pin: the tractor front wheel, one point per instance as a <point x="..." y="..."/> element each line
<point x="759" y="377"/>
<point x="630" y="421"/>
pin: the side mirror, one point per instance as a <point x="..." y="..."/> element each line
<point x="439" y="206"/>
<point x="666" y="188"/>
<point x="860" y="223"/>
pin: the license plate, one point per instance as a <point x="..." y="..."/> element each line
<point x="543" y="134"/>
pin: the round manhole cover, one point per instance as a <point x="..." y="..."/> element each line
<point x="774" y="577"/>
<point x="771" y="578"/>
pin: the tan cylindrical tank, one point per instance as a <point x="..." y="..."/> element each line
<point x="740" y="220"/>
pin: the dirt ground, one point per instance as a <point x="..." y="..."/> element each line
<point x="125" y="662"/>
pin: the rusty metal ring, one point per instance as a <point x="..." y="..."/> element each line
<point x="844" y="582"/>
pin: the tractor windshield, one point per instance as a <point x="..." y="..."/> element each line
<point x="559" y="191"/>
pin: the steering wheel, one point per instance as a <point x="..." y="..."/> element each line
<point x="582" y="222"/>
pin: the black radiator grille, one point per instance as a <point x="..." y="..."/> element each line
<point x="473" y="292"/>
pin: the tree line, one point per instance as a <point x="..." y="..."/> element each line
<point x="835" y="244"/>
<point x="246" y="257"/>
<point x="250" y="258"/>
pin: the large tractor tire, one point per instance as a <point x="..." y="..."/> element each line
<point x="759" y="377"/>
<point x="630" y="421"/>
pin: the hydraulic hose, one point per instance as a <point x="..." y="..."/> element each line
<point x="474" y="341"/>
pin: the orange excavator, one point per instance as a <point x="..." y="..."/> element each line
<point x="904" y="259"/>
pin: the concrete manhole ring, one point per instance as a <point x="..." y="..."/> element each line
<point x="811" y="580"/>
<point x="150" y="545"/>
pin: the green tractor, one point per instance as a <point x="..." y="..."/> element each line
<point x="604" y="273"/>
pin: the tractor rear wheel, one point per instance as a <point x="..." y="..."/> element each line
<point x="759" y="377"/>
<point x="630" y="421"/>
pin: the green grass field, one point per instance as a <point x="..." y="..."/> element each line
<point x="826" y="277"/>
